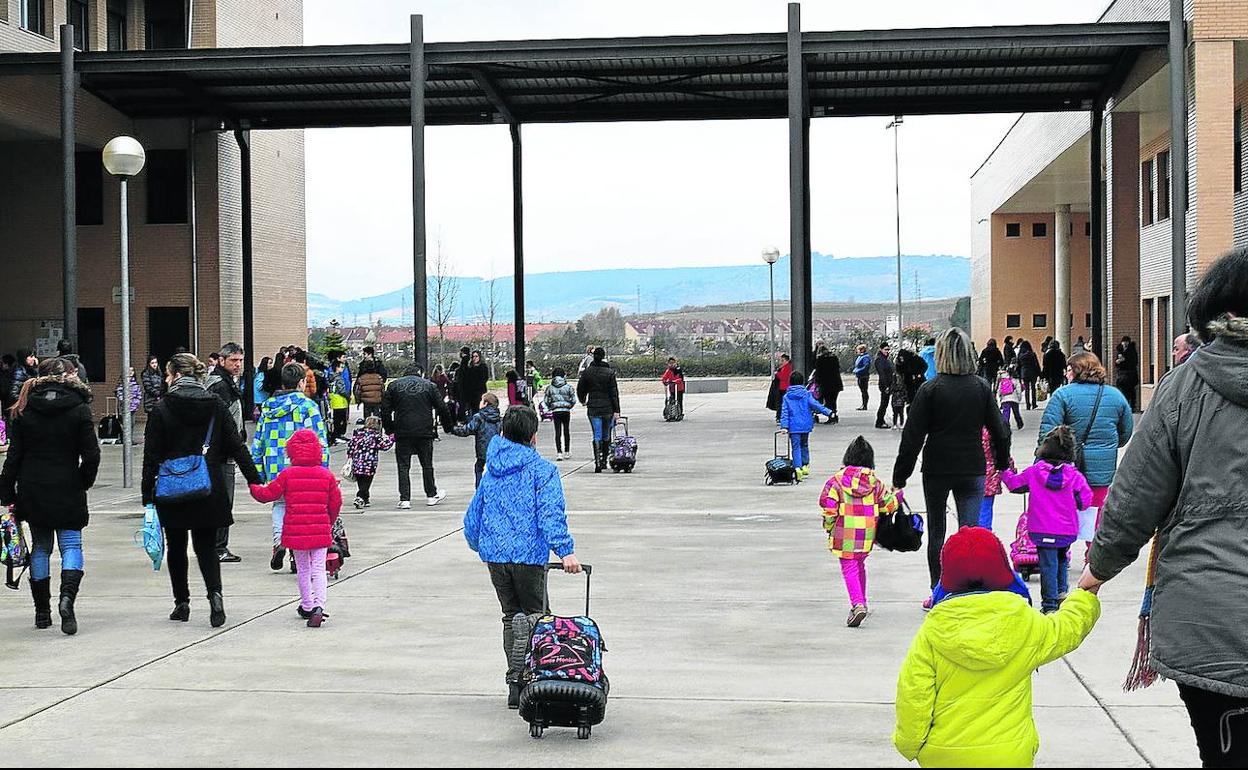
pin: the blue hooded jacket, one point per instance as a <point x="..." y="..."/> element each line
<point x="1072" y="405"/>
<point x="928" y="354"/>
<point x="517" y="515"/>
<point x="484" y="425"/>
<point x="797" y="409"/>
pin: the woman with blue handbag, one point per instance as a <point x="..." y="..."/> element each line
<point x="52" y="461"/>
<point x="190" y="436"/>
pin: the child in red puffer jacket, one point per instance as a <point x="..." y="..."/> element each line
<point x="313" y="501"/>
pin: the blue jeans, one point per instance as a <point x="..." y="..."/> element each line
<point x="602" y="427"/>
<point x="279" y="517"/>
<point x="985" y="512"/>
<point x="801" y="449"/>
<point x="968" y="497"/>
<point x="1054" y="576"/>
<point x="70" y="542"/>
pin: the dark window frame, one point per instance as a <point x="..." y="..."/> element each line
<point x="89" y="187"/>
<point x="118" y="23"/>
<point x="33" y="16"/>
<point x="92" y="339"/>
<point x="80" y="17"/>
<point x="1017" y="227"/>
<point x="1239" y="149"/>
<point x="1147" y="193"/>
<point x="1087" y="320"/>
<point x="1043" y="319"/>
<point x="167" y="194"/>
<point x="1013" y="320"/>
<point x="165" y="29"/>
<point x="1163" y="185"/>
<point x="1039" y="229"/>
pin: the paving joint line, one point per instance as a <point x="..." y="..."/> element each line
<point x="1104" y="708"/>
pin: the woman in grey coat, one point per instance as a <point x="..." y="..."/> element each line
<point x="1185" y="478"/>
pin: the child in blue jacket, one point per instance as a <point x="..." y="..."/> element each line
<point x="797" y="417"/>
<point x="514" y="522"/>
<point x="484" y="425"/>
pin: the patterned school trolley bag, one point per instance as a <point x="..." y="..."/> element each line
<point x="623" y="452"/>
<point x="14" y="553"/>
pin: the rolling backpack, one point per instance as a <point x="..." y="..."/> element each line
<point x="623" y="453"/>
<point x="563" y="682"/>
<point x="110" y="424"/>
<point x="780" y="469"/>
<point x="14" y="553"/>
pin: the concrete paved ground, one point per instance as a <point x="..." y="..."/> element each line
<point x="723" y="611"/>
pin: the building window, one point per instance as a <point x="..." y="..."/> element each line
<point x="1087" y="320"/>
<point x="1164" y="358"/>
<point x="1149" y="348"/>
<point x="1039" y="230"/>
<point x="1013" y="229"/>
<point x="1039" y="320"/>
<point x="1239" y="150"/>
<point x="1163" y="185"/>
<point x="1014" y="321"/>
<point x="1146" y="192"/>
<point x="117" y="25"/>
<point x="165" y="27"/>
<point x="1087" y="229"/>
<point x="33" y="18"/>
<point x="79" y="18"/>
<point x="89" y="188"/>
<point x="166" y="187"/>
<point x="91" y="342"/>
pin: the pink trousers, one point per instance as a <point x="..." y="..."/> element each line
<point x="854" y="570"/>
<point x="313" y="583"/>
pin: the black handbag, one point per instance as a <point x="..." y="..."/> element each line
<point x="900" y="531"/>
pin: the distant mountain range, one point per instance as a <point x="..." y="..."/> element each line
<point x="568" y="296"/>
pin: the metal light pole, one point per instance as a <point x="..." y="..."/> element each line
<point x="897" y="122"/>
<point x="124" y="158"/>
<point x="771" y="255"/>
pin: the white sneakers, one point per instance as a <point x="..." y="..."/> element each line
<point x="432" y="501"/>
<point x="559" y="456"/>
<point x="405" y="505"/>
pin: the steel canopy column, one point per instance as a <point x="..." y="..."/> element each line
<point x="517" y="227"/>
<point x="243" y="137"/>
<point x="801" y="312"/>
<point x="420" y="319"/>
<point x="69" y="208"/>
<point x="1178" y="165"/>
<point x="1096" y="224"/>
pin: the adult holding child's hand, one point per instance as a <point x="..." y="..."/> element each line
<point x="1184" y="484"/>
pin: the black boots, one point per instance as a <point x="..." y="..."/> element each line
<point x="604" y="455"/>
<point x="598" y="465"/>
<point x="181" y="612"/>
<point x="216" y="606"/>
<point x="71" y="579"/>
<point x="41" y="590"/>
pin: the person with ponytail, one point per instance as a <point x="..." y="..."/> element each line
<point x="52" y="461"/>
<point x="188" y="421"/>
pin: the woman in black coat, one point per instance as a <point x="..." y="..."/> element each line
<point x="1127" y="370"/>
<point x="473" y="381"/>
<point x="188" y="419"/>
<point x="153" y="384"/>
<point x="52" y="461"/>
<point x="912" y="370"/>
<point x="828" y="376"/>
<point x="1054" y="369"/>
<point x="1029" y="371"/>
<point x="991" y="360"/>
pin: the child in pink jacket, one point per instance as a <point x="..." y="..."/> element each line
<point x="1058" y="492"/>
<point x="313" y="502"/>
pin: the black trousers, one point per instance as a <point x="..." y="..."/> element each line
<point x="223" y="534"/>
<point x="205" y="543"/>
<point x="1221" y="726"/>
<point x="1029" y="392"/>
<point x="884" y="399"/>
<point x="362" y="485"/>
<point x="521" y="588"/>
<point x="340" y="422"/>
<point x="563" y="431"/>
<point x="968" y="498"/>
<point x="404" y="448"/>
<point x="864" y="384"/>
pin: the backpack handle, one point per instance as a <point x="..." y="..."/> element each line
<point x="588" y="569"/>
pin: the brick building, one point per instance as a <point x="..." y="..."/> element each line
<point x="1040" y="175"/>
<point x="163" y="210"/>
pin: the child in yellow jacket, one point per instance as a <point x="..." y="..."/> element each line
<point x="964" y="692"/>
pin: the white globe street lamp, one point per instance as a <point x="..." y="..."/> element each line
<point x="124" y="158"/>
<point x="771" y="255"/>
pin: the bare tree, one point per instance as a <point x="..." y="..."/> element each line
<point x="487" y="309"/>
<point x="443" y="290"/>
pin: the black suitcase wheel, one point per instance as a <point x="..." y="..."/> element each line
<point x="582" y="732"/>
<point x="536" y="730"/>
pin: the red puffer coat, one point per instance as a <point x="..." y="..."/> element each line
<point x="313" y="499"/>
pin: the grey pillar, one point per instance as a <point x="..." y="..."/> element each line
<point x="801" y="312"/>
<point x="69" y="183"/>
<point x="420" y="313"/>
<point x="1178" y="166"/>
<point x="517" y="227"/>
<point x="1096" y="223"/>
<point x="1061" y="276"/>
<point x="249" y="323"/>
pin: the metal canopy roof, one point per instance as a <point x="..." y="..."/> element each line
<point x="922" y="71"/>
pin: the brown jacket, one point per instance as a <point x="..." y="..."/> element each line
<point x="369" y="388"/>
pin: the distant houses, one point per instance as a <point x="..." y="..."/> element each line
<point x="396" y="341"/>
<point x="644" y="335"/>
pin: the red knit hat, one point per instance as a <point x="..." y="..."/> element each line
<point x="974" y="559"/>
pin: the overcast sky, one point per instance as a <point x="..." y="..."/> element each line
<point x="638" y="194"/>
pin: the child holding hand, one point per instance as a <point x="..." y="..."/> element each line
<point x="313" y="502"/>
<point x="797" y="410"/>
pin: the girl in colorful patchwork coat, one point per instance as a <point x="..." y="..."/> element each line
<point x="853" y="500"/>
<point x="366" y="444"/>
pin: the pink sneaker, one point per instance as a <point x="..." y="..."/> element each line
<point x="927" y="604"/>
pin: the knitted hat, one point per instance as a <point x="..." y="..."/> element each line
<point x="975" y="560"/>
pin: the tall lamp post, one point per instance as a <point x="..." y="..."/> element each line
<point x="895" y="126"/>
<point x="124" y="158"/>
<point x="771" y="255"/>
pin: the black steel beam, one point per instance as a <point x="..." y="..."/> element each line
<point x="800" y="291"/>
<point x="69" y="204"/>
<point x="517" y="230"/>
<point x="416" y="119"/>
<point x="1178" y="166"/>
<point x="486" y="84"/>
<point x="243" y="138"/>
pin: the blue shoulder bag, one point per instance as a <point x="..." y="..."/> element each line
<point x="184" y="479"/>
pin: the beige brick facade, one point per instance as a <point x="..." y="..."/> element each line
<point x="30" y="199"/>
